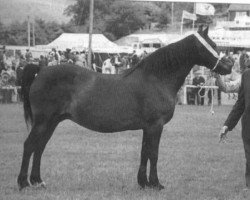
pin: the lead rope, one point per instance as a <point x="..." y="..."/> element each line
<point x="206" y="92"/>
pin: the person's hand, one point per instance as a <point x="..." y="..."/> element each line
<point x="216" y="75"/>
<point x="223" y="134"/>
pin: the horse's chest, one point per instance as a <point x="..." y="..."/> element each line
<point x="160" y="107"/>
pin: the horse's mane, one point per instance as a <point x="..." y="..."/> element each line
<point x="167" y="59"/>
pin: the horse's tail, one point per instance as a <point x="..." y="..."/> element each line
<point x="28" y="76"/>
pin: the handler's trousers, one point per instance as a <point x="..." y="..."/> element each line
<point x="246" y="141"/>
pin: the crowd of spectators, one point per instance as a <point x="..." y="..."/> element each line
<point x="11" y="67"/>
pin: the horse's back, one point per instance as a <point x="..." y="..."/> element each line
<point x="54" y="86"/>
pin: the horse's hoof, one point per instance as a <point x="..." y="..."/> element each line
<point x="156" y="186"/>
<point x="143" y="184"/>
<point x="39" y="185"/>
<point x="23" y="184"/>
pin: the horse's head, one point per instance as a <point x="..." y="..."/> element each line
<point x="208" y="55"/>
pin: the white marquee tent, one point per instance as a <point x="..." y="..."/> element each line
<point x="80" y="41"/>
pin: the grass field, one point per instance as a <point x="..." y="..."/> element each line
<point x="81" y="164"/>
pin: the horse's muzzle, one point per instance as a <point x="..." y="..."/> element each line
<point x="224" y="66"/>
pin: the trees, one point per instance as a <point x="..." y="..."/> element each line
<point x="114" y="18"/>
<point x="111" y="17"/>
<point x="16" y="32"/>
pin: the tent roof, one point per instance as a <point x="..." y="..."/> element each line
<point x="152" y="40"/>
<point x="239" y="7"/>
<point x="80" y="41"/>
<point x="135" y="38"/>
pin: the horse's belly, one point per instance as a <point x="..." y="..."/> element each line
<point x="107" y="119"/>
<point x="107" y="125"/>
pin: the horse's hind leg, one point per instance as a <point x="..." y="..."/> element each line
<point x="28" y="149"/>
<point x="36" y="138"/>
<point x="35" y="177"/>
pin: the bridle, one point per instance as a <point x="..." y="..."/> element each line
<point x="215" y="54"/>
<point x="209" y="48"/>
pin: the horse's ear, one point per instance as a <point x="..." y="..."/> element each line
<point x="206" y="31"/>
<point x="200" y="29"/>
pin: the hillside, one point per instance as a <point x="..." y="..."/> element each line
<point x="48" y="10"/>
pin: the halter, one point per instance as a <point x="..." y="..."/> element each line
<point x="215" y="54"/>
<point x="209" y="48"/>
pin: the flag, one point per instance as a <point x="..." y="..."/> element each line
<point x="204" y="9"/>
<point x="187" y="15"/>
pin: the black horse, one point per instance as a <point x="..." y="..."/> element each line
<point x="143" y="97"/>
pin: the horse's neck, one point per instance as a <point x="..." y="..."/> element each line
<point x="169" y="65"/>
<point x="175" y="81"/>
<point x="179" y="65"/>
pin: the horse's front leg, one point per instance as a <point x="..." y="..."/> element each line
<point x="142" y="173"/>
<point x="152" y="136"/>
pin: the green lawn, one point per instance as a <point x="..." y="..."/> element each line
<point x="82" y="164"/>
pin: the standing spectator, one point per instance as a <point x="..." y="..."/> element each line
<point x="123" y="65"/>
<point x="22" y="61"/>
<point x="57" y="56"/>
<point x="117" y="62"/>
<point x="108" y="67"/>
<point x="28" y="56"/>
<point x="19" y="75"/>
<point x="243" y="58"/>
<point x="210" y="82"/>
<point x="42" y="61"/>
<point x="3" y="59"/>
<point x="144" y="54"/>
<point x="134" y="59"/>
<point x="198" y="81"/>
<point x="79" y="60"/>
<point x="51" y="59"/>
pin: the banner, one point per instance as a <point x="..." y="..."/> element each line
<point x="187" y="15"/>
<point x="204" y="9"/>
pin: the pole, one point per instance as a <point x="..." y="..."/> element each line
<point x="91" y="17"/>
<point x="29" y="31"/>
<point x="181" y="25"/>
<point x="33" y="33"/>
<point x="194" y="13"/>
<point x="172" y="13"/>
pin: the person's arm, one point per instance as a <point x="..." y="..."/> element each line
<point x="228" y="87"/>
<point x="237" y="110"/>
<point x="235" y="114"/>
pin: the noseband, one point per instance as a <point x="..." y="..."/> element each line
<point x="216" y="65"/>
<point x="209" y="48"/>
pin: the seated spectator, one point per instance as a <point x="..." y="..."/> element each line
<point x="9" y="76"/>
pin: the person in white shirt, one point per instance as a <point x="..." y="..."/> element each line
<point x="108" y="67"/>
